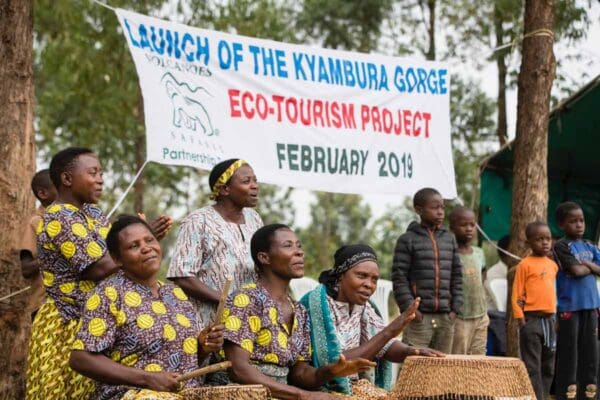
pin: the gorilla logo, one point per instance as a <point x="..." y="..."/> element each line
<point x="188" y="112"/>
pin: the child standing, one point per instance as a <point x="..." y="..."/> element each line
<point x="534" y="307"/>
<point x="470" y="328"/>
<point x="45" y="192"/>
<point x="426" y="265"/>
<point x="578" y="301"/>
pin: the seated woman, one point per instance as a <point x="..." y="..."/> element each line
<point x="137" y="332"/>
<point x="266" y="332"/>
<point x="345" y="322"/>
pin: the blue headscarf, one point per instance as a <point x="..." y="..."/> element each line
<point x="326" y="348"/>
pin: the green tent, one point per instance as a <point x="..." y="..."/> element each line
<point x="573" y="167"/>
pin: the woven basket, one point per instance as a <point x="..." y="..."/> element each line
<point x="463" y="377"/>
<point x="229" y="392"/>
<point x="365" y="390"/>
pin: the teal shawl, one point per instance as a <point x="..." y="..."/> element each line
<point x="326" y="348"/>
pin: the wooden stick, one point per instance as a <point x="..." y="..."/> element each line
<point x="221" y="306"/>
<point x="204" y="371"/>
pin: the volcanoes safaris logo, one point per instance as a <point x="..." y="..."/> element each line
<point x="187" y="102"/>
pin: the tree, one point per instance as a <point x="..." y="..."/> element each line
<point x="385" y="232"/>
<point x="471" y="116"/>
<point x="349" y="25"/>
<point x="17" y="164"/>
<point x="275" y="205"/>
<point x="267" y="19"/>
<point x="530" y="175"/>
<point x="414" y="26"/>
<point x="482" y="27"/>
<point x="87" y="94"/>
<point x="336" y="219"/>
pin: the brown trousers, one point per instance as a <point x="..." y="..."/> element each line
<point x="435" y="331"/>
<point x="470" y="335"/>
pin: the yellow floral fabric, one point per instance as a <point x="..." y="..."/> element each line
<point x="69" y="240"/>
<point x="253" y="321"/>
<point x="124" y="321"/>
<point x="49" y="375"/>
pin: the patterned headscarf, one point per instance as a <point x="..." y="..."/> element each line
<point x="221" y="173"/>
<point x="345" y="258"/>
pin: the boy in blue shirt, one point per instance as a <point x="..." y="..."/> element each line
<point x="578" y="301"/>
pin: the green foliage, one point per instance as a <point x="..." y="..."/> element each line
<point x="471" y="114"/>
<point x="336" y="219"/>
<point x="386" y="230"/>
<point x="87" y="92"/>
<point x="267" y="19"/>
<point x="275" y="205"/>
<point x="476" y="27"/>
<point x="349" y="25"/>
<point x="410" y="23"/>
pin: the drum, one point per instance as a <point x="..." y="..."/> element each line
<point x="362" y="389"/>
<point x="463" y="377"/>
<point x="229" y="392"/>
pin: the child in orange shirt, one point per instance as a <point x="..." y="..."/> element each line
<point x="534" y="307"/>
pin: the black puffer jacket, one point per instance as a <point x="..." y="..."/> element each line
<point x="427" y="265"/>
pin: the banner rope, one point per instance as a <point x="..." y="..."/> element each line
<point x="104" y="5"/>
<point x="8" y="296"/>
<point x="513" y="44"/>
<point x="135" y="178"/>
<point x="461" y="202"/>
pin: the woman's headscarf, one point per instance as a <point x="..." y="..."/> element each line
<point x="345" y="258"/>
<point x="221" y="173"/>
<point x="326" y="345"/>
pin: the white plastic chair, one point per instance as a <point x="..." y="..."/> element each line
<point x="302" y="286"/>
<point x="381" y="300"/>
<point x="499" y="290"/>
<point x="381" y="297"/>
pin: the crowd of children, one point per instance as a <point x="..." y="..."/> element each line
<point x="554" y="296"/>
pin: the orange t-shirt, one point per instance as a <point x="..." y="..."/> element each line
<point x="535" y="286"/>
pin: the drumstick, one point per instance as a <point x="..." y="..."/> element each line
<point x="221" y="305"/>
<point x="205" y="370"/>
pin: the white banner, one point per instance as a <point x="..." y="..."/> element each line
<point x="301" y="116"/>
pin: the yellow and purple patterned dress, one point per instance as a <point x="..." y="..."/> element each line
<point x="69" y="240"/>
<point x="125" y="322"/>
<point x="253" y="321"/>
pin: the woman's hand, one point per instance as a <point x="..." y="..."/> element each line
<point x="350" y="367"/>
<point x="211" y="338"/>
<point x="426" y="352"/>
<point x="160" y="226"/>
<point x="163" y="381"/>
<point x="398" y="324"/>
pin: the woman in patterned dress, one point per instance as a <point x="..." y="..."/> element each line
<point x="214" y="241"/>
<point x="343" y="321"/>
<point x="139" y="334"/>
<point x="267" y="335"/>
<point x="73" y="257"/>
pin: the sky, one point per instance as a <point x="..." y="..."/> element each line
<point x="589" y="49"/>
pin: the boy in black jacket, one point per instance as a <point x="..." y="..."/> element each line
<point x="427" y="265"/>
